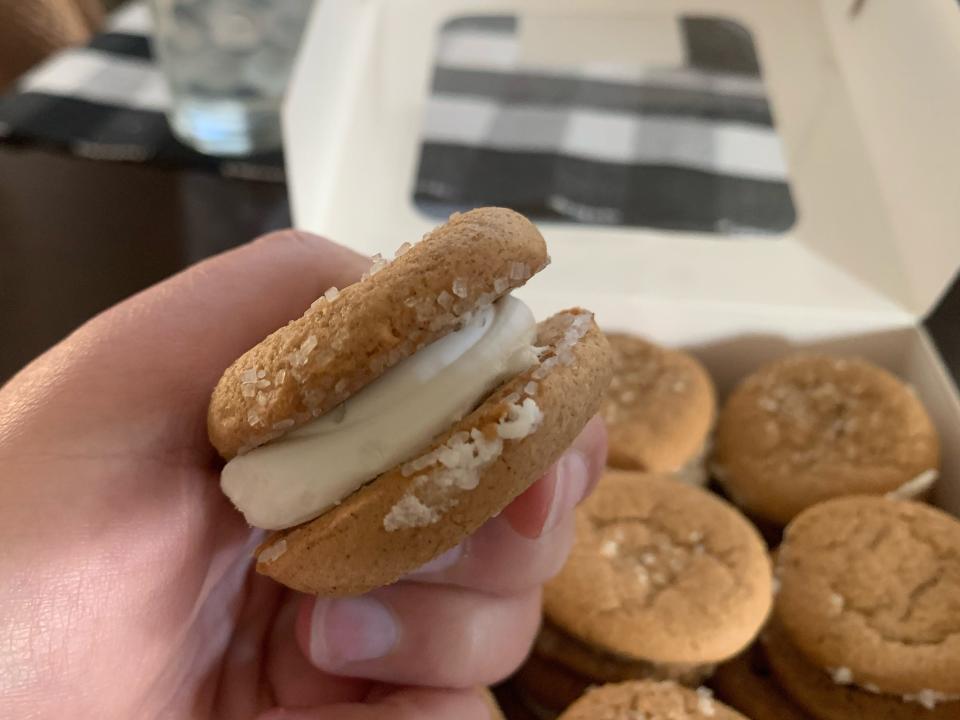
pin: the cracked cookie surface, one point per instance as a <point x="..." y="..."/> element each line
<point x="807" y="428"/>
<point x="660" y="407"/>
<point x="649" y="701"/>
<point x="872" y="586"/>
<point x="663" y="572"/>
<point x="347" y="339"/>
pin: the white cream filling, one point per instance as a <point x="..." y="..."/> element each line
<point x="303" y="473"/>
<point x="694" y="471"/>
<point x="918" y="486"/>
<point x="926" y="697"/>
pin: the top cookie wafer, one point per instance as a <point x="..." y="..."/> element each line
<point x="807" y="428"/>
<point x="872" y="585"/>
<point x="649" y="701"/>
<point x="660" y="407"/>
<point x="346" y="340"/>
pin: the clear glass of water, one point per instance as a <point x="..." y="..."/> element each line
<point x="227" y="63"/>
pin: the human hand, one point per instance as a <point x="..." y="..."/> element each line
<point x="127" y="583"/>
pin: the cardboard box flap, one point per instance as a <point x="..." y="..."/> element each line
<point x="901" y="69"/>
<point x="866" y="131"/>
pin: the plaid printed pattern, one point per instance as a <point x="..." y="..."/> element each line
<point x="686" y="148"/>
<point x="690" y="148"/>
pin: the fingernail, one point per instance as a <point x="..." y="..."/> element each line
<point x="441" y="562"/>
<point x="350" y="630"/>
<point x="573" y="478"/>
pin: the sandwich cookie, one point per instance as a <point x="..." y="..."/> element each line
<point x="651" y="701"/>
<point x="867" y="618"/>
<point x="808" y="428"/>
<point x="659" y="410"/>
<point x="664" y="581"/>
<point x="394" y="417"/>
<point x="746" y="684"/>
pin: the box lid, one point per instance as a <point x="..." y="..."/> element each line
<point x="865" y="105"/>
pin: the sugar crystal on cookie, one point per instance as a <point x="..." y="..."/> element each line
<point x="378" y="263"/>
<point x="458" y="463"/>
<point x="273" y="552"/>
<point x="930" y="698"/>
<point x="409" y="512"/>
<point x="519" y="271"/>
<point x="705" y="702"/>
<point x="445" y="300"/>
<point x="841" y="675"/>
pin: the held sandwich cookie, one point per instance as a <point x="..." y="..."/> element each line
<point x="811" y="427"/>
<point x="867" y="619"/>
<point x="664" y="581"/>
<point x="659" y="410"/>
<point x="396" y="416"/>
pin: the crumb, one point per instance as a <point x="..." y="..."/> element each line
<point x="609" y="549"/>
<point x="841" y="675"/>
<point x="272" y="552"/>
<point x="705" y="702"/>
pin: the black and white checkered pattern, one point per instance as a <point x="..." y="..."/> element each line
<point x="691" y="148"/>
<point x="107" y="101"/>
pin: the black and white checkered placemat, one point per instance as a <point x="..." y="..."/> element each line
<point x="107" y="100"/>
<point x="688" y="148"/>
<point x="691" y="147"/>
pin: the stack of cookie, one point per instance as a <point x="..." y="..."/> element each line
<point x="665" y="580"/>
<point x="867" y="619"/>
<point x="668" y="582"/>
<point x="808" y="428"/>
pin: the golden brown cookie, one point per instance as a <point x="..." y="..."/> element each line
<point x="651" y="701"/>
<point x="348" y="339"/>
<point x="746" y="684"/>
<point x="661" y="572"/>
<point x="808" y="428"/>
<point x="421" y="506"/>
<point x="870" y="592"/>
<point x="826" y="699"/>
<point x="659" y="410"/>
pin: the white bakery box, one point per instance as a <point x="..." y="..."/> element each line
<point x="866" y="97"/>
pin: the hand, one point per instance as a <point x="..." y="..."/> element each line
<point x="127" y="589"/>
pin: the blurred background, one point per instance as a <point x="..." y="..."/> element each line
<point x="138" y="137"/>
<point x="30" y="30"/>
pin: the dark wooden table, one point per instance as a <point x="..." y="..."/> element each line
<point x="78" y="235"/>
